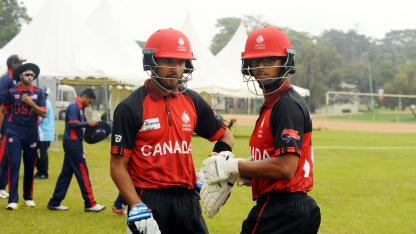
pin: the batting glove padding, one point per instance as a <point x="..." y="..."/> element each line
<point x="140" y="220"/>
<point x="220" y="167"/>
<point x="213" y="196"/>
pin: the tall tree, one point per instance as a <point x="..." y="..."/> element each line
<point x="351" y="45"/>
<point x="404" y="82"/>
<point x="12" y="16"/>
<point x="316" y="70"/>
<point x="227" y="27"/>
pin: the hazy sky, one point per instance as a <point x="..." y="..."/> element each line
<point x="372" y="18"/>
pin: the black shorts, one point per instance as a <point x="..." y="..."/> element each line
<point x="283" y="213"/>
<point x="176" y="210"/>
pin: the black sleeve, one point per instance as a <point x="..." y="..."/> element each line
<point x="207" y="125"/>
<point x="287" y="126"/>
<point x="125" y="127"/>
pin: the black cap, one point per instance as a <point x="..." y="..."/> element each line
<point x="14" y="59"/>
<point x="98" y="133"/>
<point x="27" y="66"/>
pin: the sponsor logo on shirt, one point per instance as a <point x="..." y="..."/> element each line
<point x="33" y="145"/>
<point x="34" y="96"/>
<point x="17" y="96"/>
<point x="166" y="148"/>
<point x="289" y="134"/>
<point x="150" y="124"/>
<point x="11" y="139"/>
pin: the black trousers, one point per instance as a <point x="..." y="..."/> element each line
<point x="283" y="213"/>
<point x="43" y="158"/>
<point x="176" y="210"/>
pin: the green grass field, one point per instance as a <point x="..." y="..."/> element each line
<point x="359" y="191"/>
<point x="391" y="117"/>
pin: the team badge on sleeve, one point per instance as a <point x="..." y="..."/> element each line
<point x="289" y="134"/>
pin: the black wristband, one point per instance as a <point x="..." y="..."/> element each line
<point x="221" y="146"/>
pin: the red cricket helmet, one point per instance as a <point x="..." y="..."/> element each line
<point x="167" y="43"/>
<point x="170" y="43"/>
<point x="266" y="42"/>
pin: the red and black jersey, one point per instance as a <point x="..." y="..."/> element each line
<point x="284" y="126"/>
<point x="155" y="132"/>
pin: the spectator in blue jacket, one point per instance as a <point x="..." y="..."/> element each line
<point x="46" y="136"/>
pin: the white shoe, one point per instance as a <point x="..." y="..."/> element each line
<point x="3" y="194"/>
<point x="60" y="207"/>
<point x="12" y="206"/>
<point x="96" y="208"/>
<point x="30" y="203"/>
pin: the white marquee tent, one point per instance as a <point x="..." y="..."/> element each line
<point x="120" y="44"/>
<point x="64" y="47"/>
<point x="206" y="68"/>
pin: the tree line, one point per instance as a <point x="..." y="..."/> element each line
<point x="327" y="61"/>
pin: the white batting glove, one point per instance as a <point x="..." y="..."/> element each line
<point x="213" y="196"/>
<point x="140" y="220"/>
<point x="220" y="167"/>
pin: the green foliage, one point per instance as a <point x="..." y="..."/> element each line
<point x="12" y="15"/>
<point x="227" y="27"/>
<point x="350" y="45"/>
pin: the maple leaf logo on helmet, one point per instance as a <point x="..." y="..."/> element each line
<point x="260" y="45"/>
<point x="181" y="46"/>
<point x="259" y="39"/>
<point x="181" y="42"/>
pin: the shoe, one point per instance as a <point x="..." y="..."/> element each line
<point x="30" y="203"/>
<point x="3" y="193"/>
<point x="37" y="176"/>
<point x="122" y="212"/>
<point x="12" y="206"/>
<point x="60" y="208"/>
<point x="96" y="208"/>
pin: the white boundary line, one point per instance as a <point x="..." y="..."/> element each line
<point x="366" y="147"/>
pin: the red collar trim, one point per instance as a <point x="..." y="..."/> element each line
<point x="154" y="92"/>
<point x="21" y="89"/>
<point x="270" y="101"/>
<point x="79" y="103"/>
<point x="10" y="73"/>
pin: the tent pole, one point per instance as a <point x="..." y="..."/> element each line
<point x="107" y="108"/>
